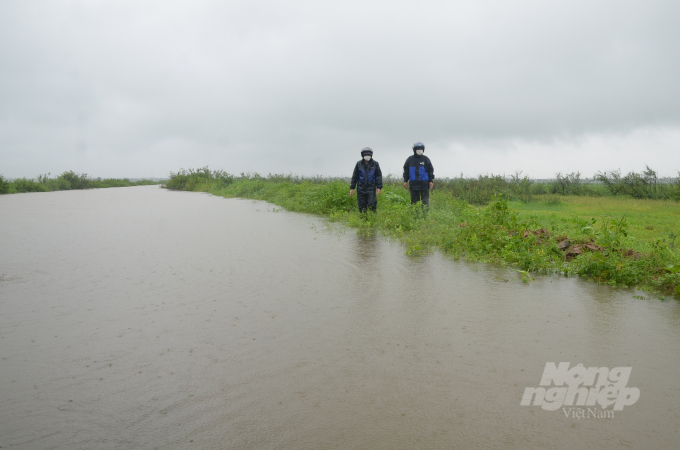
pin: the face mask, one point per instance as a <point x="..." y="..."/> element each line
<point x="367" y="157"/>
<point x="419" y="152"/>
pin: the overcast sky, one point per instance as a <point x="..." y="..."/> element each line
<point x="142" y="88"/>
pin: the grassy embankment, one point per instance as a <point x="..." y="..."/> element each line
<point x="66" y="181"/>
<point x="616" y="240"/>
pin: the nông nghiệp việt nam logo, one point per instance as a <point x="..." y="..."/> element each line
<point x="561" y="386"/>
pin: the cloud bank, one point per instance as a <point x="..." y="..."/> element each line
<point x="143" y="88"/>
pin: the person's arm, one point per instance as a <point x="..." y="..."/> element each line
<point x="378" y="177"/>
<point x="430" y="172"/>
<point x="355" y="178"/>
<point x="406" y="172"/>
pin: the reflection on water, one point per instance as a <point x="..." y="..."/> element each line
<point x="142" y="318"/>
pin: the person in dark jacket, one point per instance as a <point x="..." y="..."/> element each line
<point x="419" y="175"/>
<point x="367" y="179"/>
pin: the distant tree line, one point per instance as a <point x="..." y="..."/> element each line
<point x="644" y="185"/>
<point x="66" y="181"/>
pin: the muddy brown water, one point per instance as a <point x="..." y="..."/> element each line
<point x="140" y="318"/>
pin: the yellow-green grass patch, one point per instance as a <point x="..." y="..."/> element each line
<point x="648" y="220"/>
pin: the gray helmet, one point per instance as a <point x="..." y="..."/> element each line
<point x="418" y="146"/>
<point x="366" y="151"/>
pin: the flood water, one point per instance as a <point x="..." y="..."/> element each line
<point x="140" y="318"/>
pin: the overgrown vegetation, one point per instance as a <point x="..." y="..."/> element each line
<point x="481" y="190"/>
<point x="644" y="185"/>
<point x="4" y="185"/>
<point x="641" y="185"/>
<point x="66" y="181"/>
<point x="603" y="247"/>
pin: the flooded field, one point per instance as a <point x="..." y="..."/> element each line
<point x="139" y="318"/>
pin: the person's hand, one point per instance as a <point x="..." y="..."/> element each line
<point x="351" y="192"/>
<point x="378" y="191"/>
<point x="405" y="184"/>
<point x="431" y="185"/>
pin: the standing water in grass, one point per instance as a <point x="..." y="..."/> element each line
<point x="147" y="318"/>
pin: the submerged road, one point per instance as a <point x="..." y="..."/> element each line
<point x="141" y="318"/>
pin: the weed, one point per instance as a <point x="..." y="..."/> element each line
<point x="612" y="232"/>
<point x="526" y="276"/>
<point x="553" y="200"/>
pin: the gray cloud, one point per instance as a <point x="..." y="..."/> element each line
<point x="141" y="88"/>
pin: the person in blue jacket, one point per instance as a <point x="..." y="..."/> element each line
<point x="367" y="179"/>
<point x="419" y="175"/>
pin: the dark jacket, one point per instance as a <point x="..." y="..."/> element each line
<point x="418" y="171"/>
<point x="366" y="176"/>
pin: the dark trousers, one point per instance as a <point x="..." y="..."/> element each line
<point x="423" y="196"/>
<point x="367" y="199"/>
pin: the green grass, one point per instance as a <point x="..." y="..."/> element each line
<point x="66" y="181"/>
<point x="620" y="241"/>
<point x="648" y="219"/>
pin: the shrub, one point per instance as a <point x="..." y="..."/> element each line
<point x="74" y="180"/>
<point x="26" y="185"/>
<point x="641" y="185"/>
<point x="4" y="185"/>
